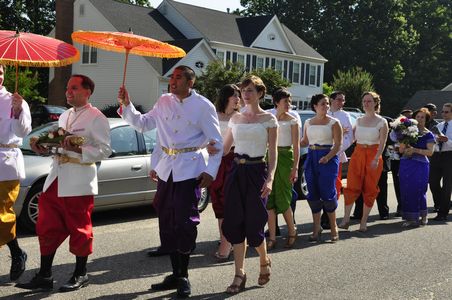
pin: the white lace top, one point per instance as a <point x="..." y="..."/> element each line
<point x="223" y="128"/>
<point x="320" y="134"/>
<point x="251" y="139"/>
<point x="368" y="135"/>
<point x="285" y="132"/>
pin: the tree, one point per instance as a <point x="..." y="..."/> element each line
<point x="353" y="83"/>
<point x="145" y="3"/>
<point x="218" y="75"/>
<point x="27" y="84"/>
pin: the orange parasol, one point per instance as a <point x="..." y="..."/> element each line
<point x="33" y="50"/>
<point x="127" y="43"/>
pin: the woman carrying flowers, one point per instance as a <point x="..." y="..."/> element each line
<point x="414" y="166"/>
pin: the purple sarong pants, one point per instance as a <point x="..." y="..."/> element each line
<point x="177" y="209"/>
<point x="245" y="213"/>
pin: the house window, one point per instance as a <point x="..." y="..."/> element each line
<point x="220" y="55"/>
<point x="260" y="63"/>
<point x="278" y="66"/>
<point x="241" y="59"/>
<point x="89" y="55"/>
<point x="312" y="74"/>
<point x="81" y="10"/>
<point x="296" y="72"/>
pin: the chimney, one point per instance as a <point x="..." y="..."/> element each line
<point x="63" y="30"/>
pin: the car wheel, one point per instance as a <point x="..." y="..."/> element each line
<point x="204" y="200"/>
<point x="303" y="186"/>
<point x="300" y="185"/>
<point x="29" y="215"/>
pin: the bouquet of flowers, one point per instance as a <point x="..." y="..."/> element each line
<point x="55" y="136"/>
<point x="404" y="130"/>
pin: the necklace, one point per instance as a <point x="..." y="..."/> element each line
<point x="69" y="125"/>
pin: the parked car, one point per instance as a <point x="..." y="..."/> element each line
<point x="123" y="177"/>
<point x="43" y="113"/>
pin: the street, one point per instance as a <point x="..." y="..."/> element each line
<point x="387" y="262"/>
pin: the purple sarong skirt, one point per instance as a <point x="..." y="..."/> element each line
<point x="177" y="209"/>
<point x="413" y="177"/>
<point x="245" y="213"/>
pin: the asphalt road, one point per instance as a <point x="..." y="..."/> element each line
<point x="387" y="262"/>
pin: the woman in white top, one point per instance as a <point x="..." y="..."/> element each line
<point x="227" y="105"/>
<point x="286" y="171"/>
<point x="254" y="132"/>
<point x="366" y="164"/>
<point x="323" y="136"/>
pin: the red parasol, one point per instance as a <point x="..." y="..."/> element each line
<point x="127" y="43"/>
<point x="33" y="50"/>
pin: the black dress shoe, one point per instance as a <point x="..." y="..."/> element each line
<point x="183" y="287"/>
<point x="75" y="283"/>
<point x="157" y="252"/>
<point x="37" y="282"/>
<point x="17" y="266"/>
<point x="169" y="283"/>
<point x="384" y="217"/>
<point x="398" y="214"/>
<point x="439" y="218"/>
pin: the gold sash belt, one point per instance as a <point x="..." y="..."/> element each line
<point x="171" y="151"/>
<point x="9" y="146"/>
<point x="316" y="147"/>
<point x="244" y="161"/>
<point x="64" y="159"/>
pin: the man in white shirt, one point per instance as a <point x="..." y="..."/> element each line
<point x="441" y="165"/>
<point x="185" y="122"/>
<point x="15" y="123"/>
<point x="337" y="100"/>
<point x="67" y="200"/>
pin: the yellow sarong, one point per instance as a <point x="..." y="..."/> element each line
<point x="9" y="190"/>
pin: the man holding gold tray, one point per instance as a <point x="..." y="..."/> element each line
<point x="67" y="200"/>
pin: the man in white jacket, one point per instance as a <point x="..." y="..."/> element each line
<point x="15" y="123"/>
<point x="67" y="200"/>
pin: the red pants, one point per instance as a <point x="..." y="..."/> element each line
<point x="60" y="217"/>
<point x="361" y="178"/>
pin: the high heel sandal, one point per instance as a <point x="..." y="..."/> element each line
<point x="335" y="238"/>
<point x="237" y="288"/>
<point x="344" y="225"/>
<point x="316" y="238"/>
<point x="265" y="278"/>
<point x="271" y="244"/>
<point x="223" y="258"/>
<point x="291" y="240"/>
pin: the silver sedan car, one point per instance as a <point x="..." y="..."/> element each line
<point x="123" y="177"/>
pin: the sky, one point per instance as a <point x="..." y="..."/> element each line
<point x="220" y="5"/>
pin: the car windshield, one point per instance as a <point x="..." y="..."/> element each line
<point x="35" y="132"/>
<point x="56" y="109"/>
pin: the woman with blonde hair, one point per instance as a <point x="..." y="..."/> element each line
<point x="366" y="164"/>
<point x="254" y="133"/>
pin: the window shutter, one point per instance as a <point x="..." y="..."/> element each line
<point x="234" y="57"/>
<point x="306" y="80"/>
<point x="248" y="62"/>
<point x="254" y="62"/>
<point x="290" y="71"/>
<point x="228" y="56"/>
<point x="302" y="73"/>
<point x="319" y="68"/>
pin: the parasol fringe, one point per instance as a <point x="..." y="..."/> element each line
<point x="41" y="64"/>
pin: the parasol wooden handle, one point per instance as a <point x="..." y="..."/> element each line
<point x="124" y="76"/>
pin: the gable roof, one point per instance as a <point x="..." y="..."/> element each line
<point x="437" y="97"/>
<point x="142" y="20"/>
<point x="240" y="30"/>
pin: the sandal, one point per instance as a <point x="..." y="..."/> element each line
<point x="316" y="238"/>
<point x="265" y="278"/>
<point x="335" y="238"/>
<point x="237" y="288"/>
<point x="344" y="225"/>
<point x="271" y="244"/>
<point x="291" y="240"/>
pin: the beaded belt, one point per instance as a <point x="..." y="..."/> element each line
<point x="244" y="161"/>
<point x="64" y="159"/>
<point x="171" y="151"/>
<point x="9" y="146"/>
<point x="316" y="147"/>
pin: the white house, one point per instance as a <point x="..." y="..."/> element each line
<point x="205" y="35"/>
